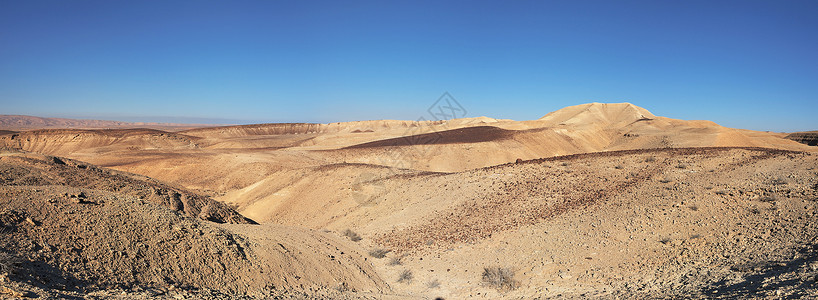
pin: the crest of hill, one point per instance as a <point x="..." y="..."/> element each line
<point x="600" y="114"/>
<point x="64" y="141"/>
<point x="305" y="128"/>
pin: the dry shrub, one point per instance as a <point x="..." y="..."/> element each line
<point x="499" y="278"/>
<point x="8" y="263"/>
<point x="767" y="198"/>
<point x="405" y="276"/>
<point x="779" y="181"/>
<point x="378" y="253"/>
<point x="395" y="261"/>
<point x="351" y="235"/>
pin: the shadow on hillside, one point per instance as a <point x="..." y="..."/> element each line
<point x="795" y="275"/>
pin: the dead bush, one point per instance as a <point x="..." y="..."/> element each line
<point x="378" y="253"/>
<point x="405" y="276"/>
<point x="351" y="235"/>
<point x="395" y="261"/>
<point x="767" y="198"/>
<point x="499" y="278"/>
<point x="778" y="181"/>
<point x="8" y="263"/>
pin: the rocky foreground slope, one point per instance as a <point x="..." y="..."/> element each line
<point x="71" y="229"/>
<point x="27" y="169"/>
<point x="657" y="223"/>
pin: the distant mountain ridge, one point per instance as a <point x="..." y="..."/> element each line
<point x="23" y="122"/>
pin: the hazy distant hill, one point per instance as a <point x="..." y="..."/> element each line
<point x="21" y="122"/>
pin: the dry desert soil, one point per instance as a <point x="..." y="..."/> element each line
<point x="597" y="200"/>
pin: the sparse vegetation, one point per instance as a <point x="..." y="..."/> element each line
<point x="378" y="253"/>
<point x="433" y="284"/>
<point x="499" y="278"/>
<point x="8" y="263"/>
<point x="779" y="181"/>
<point x="342" y="287"/>
<point x="405" y="276"/>
<point x="351" y="235"/>
<point x="767" y="198"/>
<point x="395" y="261"/>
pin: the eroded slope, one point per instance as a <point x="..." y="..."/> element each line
<point x="87" y="230"/>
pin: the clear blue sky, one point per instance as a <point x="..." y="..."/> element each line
<point x="746" y="64"/>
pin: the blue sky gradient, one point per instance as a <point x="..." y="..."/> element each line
<point x="745" y="64"/>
